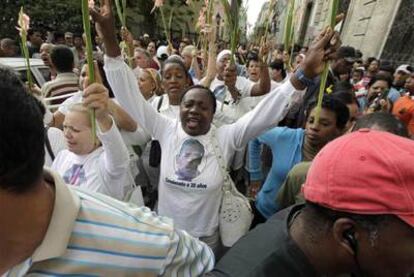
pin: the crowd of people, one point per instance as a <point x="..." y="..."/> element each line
<point x="137" y="189"/>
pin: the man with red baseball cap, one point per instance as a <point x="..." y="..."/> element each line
<point x="358" y="218"/>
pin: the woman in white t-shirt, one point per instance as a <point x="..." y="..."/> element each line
<point x="97" y="164"/>
<point x="190" y="186"/>
<point x="191" y="181"/>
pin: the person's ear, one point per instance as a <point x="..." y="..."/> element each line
<point x="346" y="235"/>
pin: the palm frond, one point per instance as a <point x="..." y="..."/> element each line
<point x="324" y="75"/>
<point x="231" y="12"/>
<point x="289" y="25"/>
<point x="89" y="58"/>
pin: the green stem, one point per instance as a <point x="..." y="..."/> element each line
<point x="27" y="60"/>
<point x="292" y="48"/>
<point x="289" y="25"/>
<point x="89" y="58"/>
<point x="124" y="11"/>
<point x="209" y="11"/>
<point x="324" y="77"/>
<point x="269" y="17"/>
<point x="209" y="23"/>
<point x="121" y="11"/>
<point x="166" y="32"/>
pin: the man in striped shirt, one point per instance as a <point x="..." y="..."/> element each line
<point x="66" y="81"/>
<point x="49" y="229"/>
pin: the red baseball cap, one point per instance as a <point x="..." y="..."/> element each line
<point x="366" y="172"/>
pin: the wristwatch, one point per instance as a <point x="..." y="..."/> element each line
<point x="300" y="75"/>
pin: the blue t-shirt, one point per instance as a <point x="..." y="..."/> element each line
<point x="286" y="145"/>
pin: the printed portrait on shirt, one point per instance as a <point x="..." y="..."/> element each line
<point x="189" y="159"/>
<point x="75" y="175"/>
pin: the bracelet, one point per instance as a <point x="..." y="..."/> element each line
<point x="300" y="75"/>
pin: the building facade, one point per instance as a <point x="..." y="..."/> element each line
<point x="378" y="28"/>
<point x="368" y="25"/>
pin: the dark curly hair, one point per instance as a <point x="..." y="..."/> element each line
<point x="22" y="151"/>
<point x="333" y="104"/>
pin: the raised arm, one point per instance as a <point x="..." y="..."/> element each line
<point x="116" y="157"/>
<point x="122" y="119"/>
<point x="211" y="64"/>
<point x="263" y="86"/>
<point x="121" y="78"/>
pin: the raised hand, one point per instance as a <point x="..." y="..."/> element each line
<point x="264" y="51"/>
<point x="105" y="26"/>
<point x="96" y="97"/>
<point x="126" y="35"/>
<point x="230" y="78"/>
<point x="322" y="49"/>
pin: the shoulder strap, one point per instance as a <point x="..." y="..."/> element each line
<point x="48" y="146"/>
<point x="160" y="103"/>
<point x="228" y="182"/>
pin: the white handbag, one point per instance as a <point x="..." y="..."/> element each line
<point x="236" y="214"/>
<point x="133" y="192"/>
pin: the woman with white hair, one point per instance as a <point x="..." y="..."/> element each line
<point x="97" y="164"/>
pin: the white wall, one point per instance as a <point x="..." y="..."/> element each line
<point x="368" y="23"/>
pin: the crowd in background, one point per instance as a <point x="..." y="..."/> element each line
<point x="173" y="120"/>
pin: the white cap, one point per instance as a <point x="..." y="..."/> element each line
<point x="223" y="53"/>
<point x="162" y="52"/>
<point x="406" y="68"/>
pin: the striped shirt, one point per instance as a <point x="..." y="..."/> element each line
<point x="64" y="83"/>
<point x="94" y="235"/>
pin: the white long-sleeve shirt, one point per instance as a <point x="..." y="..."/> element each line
<point x="105" y="170"/>
<point x="190" y="188"/>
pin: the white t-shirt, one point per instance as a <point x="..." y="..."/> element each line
<point x="190" y="187"/>
<point x="105" y="170"/>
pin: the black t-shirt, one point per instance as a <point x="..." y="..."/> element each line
<point x="268" y="250"/>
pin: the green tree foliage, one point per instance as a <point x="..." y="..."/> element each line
<point x="140" y="20"/>
<point x="63" y="15"/>
<point x="66" y="15"/>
